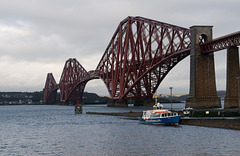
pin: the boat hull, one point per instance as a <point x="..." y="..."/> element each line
<point x="173" y="120"/>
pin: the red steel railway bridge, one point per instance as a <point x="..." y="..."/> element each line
<point x="139" y="56"/>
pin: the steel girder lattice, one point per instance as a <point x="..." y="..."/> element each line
<point x="136" y="60"/>
<point x="139" y="55"/>
<point x="50" y="89"/>
<point x="221" y="43"/>
<point x="73" y="80"/>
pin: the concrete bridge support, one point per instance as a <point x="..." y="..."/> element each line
<point x="203" y="92"/>
<point x="117" y="103"/>
<point x="124" y="103"/>
<point x="231" y="99"/>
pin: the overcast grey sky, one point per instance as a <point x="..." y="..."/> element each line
<point x="38" y="36"/>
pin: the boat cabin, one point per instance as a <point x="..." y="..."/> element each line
<point x="157" y="106"/>
<point x="158" y="114"/>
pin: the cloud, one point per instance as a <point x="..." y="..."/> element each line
<point x="25" y="76"/>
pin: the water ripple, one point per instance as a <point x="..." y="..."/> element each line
<point x="56" y="130"/>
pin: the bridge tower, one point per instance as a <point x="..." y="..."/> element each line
<point x="203" y="92"/>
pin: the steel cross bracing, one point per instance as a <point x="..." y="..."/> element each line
<point x="139" y="55"/>
<point x="73" y="80"/>
<point x="221" y="43"/>
<point x="50" y="89"/>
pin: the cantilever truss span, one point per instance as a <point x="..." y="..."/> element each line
<point x="136" y="60"/>
<point x="50" y="89"/>
<point x="139" y="56"/>
<point x="72" y="81"/>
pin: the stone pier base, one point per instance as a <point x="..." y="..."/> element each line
<point x="231" y="102"/>
<point x="117" y="103"/>
<point x="124" y="103"/>
<point x="111" y="103"/>
<point x="121" y="103"/>
<point x="78" y="109"/>
<point x="144" y="102"/>
<point x="148" y="103"/>
<point x="138" y="102"/>
<point x="205" y="102"/>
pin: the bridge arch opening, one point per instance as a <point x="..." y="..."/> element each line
<point x="220" y="69"/>
<point x="96" y="86"/>
<point x="221" y="74"/>
<point x="178" y="78"/>
<point x="203" y="38"/>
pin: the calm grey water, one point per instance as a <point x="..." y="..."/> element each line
<point x="56" y="130"/>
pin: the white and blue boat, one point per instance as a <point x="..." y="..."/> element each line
<point x="159" y="116"/>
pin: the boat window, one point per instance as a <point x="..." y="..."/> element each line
<point x="155" y="115"/>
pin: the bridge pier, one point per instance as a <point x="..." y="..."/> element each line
<point x="144" y="102"/>
<point x="117" y="103"/>
<point x="148" y="103"/>
<point x="138" y="102"/>
<point x="123" y="103"/>
<point x="231" y="99"/>
<point x="203" y="92"/>
<point x="111" y="103"/>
